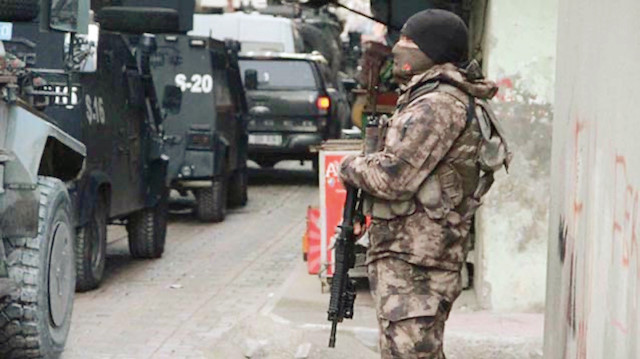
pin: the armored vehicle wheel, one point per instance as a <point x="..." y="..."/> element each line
<point x="238" y="188"/>
<point x="36" y="318"/>
<point x="91" y="248"/>
<point x="18" y="10"/>
<point x="211" y="201"/>
<point x="147" y="230"/>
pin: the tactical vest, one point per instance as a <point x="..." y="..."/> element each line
<point x="454" y="189"/>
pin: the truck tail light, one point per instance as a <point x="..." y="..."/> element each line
<point x="323" y="103"/>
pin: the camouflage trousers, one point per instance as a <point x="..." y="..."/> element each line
<point x="412" y="305"/>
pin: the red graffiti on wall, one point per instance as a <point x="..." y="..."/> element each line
<point x="579" y="128"/>
<point x="505" y="92"/>
<point x="576" y="267"/>
<point x="626" y="214"/>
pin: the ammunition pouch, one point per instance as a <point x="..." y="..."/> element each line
<point x="494" y="152"/>
<point x="388" y="210"/>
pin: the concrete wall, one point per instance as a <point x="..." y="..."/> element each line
<point x="519" y="52"/>
<point x="594" y="267"/>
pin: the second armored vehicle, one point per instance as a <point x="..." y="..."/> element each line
<point x="207" y="139"/>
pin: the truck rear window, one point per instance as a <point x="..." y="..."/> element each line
<point x="281" y="74"/>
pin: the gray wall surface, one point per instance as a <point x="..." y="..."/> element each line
<point x="594" y="266"/>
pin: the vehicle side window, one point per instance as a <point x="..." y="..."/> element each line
<point x="85" y="49"/>
<point x="64" y="15"/>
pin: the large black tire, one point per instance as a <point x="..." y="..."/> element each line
<point x="147" y="230"/>
<point x="238" y="188"/>
<point x="18" y="10"/>
<point x="91" y="248"/>
<point x="35" y="320"/>
<point x="139" y="20"/>
<point x="211" y="203"/>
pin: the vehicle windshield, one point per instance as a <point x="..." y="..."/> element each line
<point x="281" y="74"/>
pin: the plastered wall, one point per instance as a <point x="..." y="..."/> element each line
<point x="594" y="266"/>
<point x="519" y="49"/>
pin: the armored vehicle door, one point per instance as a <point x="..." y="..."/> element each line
<point x="191" y="134"/>
<point x="112" y="112"/>
<point x="230" y="102"/>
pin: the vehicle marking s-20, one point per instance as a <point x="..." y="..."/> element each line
<point x="197" y="83"/>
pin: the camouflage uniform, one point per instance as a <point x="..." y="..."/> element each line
<point x="422" y="182"/>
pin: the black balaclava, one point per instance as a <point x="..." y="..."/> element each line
<point x="441" y="37"/>
<point x="440" y="34"/>
<point x="408" y="62"/>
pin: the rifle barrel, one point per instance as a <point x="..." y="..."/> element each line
<point x="332" y="338"/>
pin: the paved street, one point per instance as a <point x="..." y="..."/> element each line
<point x="214" y="292"/>
<point x="240" y="289"/>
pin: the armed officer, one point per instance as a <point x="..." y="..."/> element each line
<point x="425" y="183"/>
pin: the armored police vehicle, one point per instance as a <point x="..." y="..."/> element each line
<point x="37" y="271"/>
<point x="207" y="139"/>
<point x="118" y="115"/>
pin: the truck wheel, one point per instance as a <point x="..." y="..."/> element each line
<point x="91" y="249"/>
<point x="238" y="188"/>
<point x="36" y="318"/>
<point x="147" y="229"/>
<point x="18" y="10"/>
<point x="211" y="201"/>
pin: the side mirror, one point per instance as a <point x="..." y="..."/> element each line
<point x="172" y="99"/>
<point x="83" y="52"/>
<point x="148" y="43"/>
<point x="69" y="15"/>
<point x="232" y="45"/>
<point x="251" y="79"/>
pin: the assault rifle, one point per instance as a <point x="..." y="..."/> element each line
<point x="343" y="289"/>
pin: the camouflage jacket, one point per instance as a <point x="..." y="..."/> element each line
<point x="429" y="152"/>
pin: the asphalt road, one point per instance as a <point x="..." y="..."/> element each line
<point x="235" y="289"/>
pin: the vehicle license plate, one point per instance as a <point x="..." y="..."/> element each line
<point x="6" y="30"/>
<point x="265" y="140"/>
